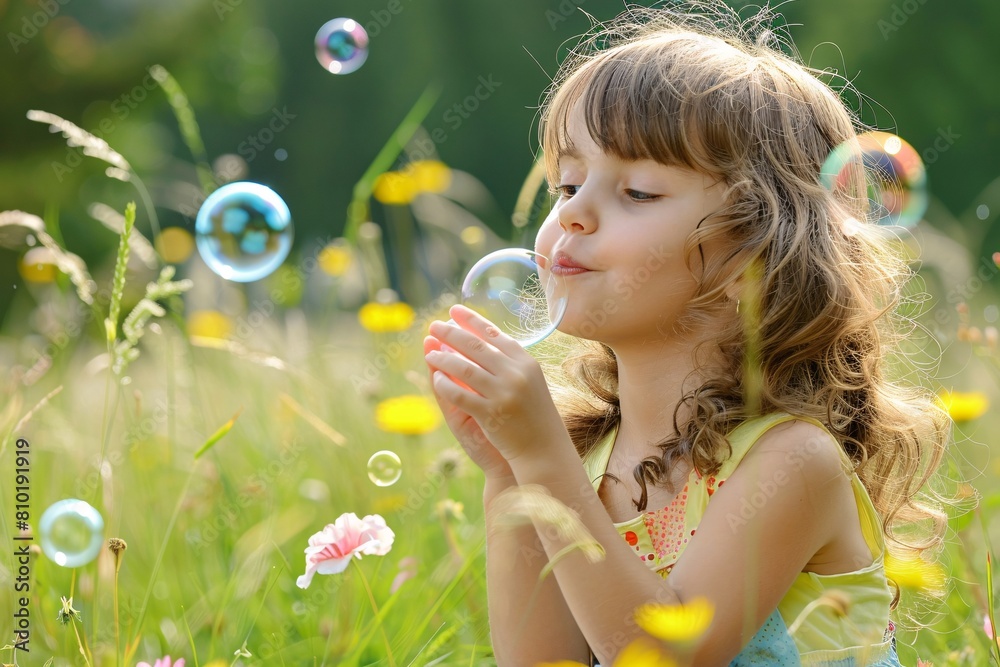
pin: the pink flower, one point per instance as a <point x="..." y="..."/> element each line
<point x="987" y="626"/>
<point x="331" y="549"/>
<point x="163" y="662"/>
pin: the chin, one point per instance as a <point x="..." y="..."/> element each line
<point x="590" y="328"/>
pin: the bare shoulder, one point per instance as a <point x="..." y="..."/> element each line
<point x="804" y="452"/>
<point x="803" y="442"/>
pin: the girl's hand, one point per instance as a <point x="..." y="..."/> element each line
<point x="466" y="430"/>
<point x="485" y="377"/>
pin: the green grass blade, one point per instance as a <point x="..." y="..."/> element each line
<point x="188" y="124"/>
<point x="215" y="437"/>
<point x="357" y="211"/>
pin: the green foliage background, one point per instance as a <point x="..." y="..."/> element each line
<point x="924" y="65"/>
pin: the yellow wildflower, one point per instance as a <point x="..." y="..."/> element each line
<point x="912" y="571"/>
<point x="964" y="406"/>
<point x="410" y="415"/>
<point x="209" y="324"/>
<point x="218" y="663"/>
<point x="175" y="245"/>
<point x="678" y="624"/>
<point x="38" y="266"/>
<point x="643" y="653"/>
<point x="335" y="259"/>
<point x="395" y="187"/>
<point x="386" y="317"/>
<point x="430" y="175"/>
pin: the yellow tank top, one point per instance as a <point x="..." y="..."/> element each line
<point x="659" y="537"/>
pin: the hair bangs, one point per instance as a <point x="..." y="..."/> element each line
<point x="631" y="108"/>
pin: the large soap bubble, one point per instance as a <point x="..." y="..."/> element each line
<point x="243" y="231"/>
<point x="506" y="287"/>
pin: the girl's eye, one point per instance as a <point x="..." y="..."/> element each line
<point x="566" y="190"/>
<point x="635" y="195"/>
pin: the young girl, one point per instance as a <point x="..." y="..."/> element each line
<point x="741" y="440"/>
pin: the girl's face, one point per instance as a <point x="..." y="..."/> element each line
<point x="626" y="223"/>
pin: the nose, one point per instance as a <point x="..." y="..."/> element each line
<point x="577" y="214"/>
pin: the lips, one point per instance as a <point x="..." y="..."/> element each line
<point x="564" y="265"/>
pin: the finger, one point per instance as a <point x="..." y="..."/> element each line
<point x="471" y="320"/>
<point x="459" y="368"/>
<point x="432" y="344"/>
<point x="468" y="402"/>
<point x="470" y="345"/>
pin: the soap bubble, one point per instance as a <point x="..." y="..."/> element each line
<point x="243" y="231"/>
<point x="888" y="169"/>
<point x="506" y="288"/>
<point x="341" y="46"/>
<point x="71" y="532"/>
<point x="384" y="468"/>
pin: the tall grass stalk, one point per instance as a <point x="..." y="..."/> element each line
<point x="118" y="284"/>
<point x="188" y="125"/>
<point x="358" y="211"/>
<point x="371" y="600"/>
<point x="133" y="645"/>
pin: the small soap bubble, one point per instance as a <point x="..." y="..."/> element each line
<point x="982" y="211"/>
<point x="71" y="532"/>
<point x="384" y="468"/>
<point x="243" y="231"/>
<point x="506" y="287"/>
<point x="991" y="313"/>
<point x="885" y="169"/>
<point x="341" y="46"/>
<point x="281" y="155"/>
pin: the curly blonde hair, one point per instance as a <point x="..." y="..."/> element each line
<point x="820" y="331"/>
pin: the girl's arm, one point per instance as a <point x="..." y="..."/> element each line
<point x="744" y="562"/>
<point x="514" y="558"/>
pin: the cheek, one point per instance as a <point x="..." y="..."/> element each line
<point x="547" y="236"/>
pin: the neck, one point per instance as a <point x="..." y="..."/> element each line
<point x="652" y="378"/>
